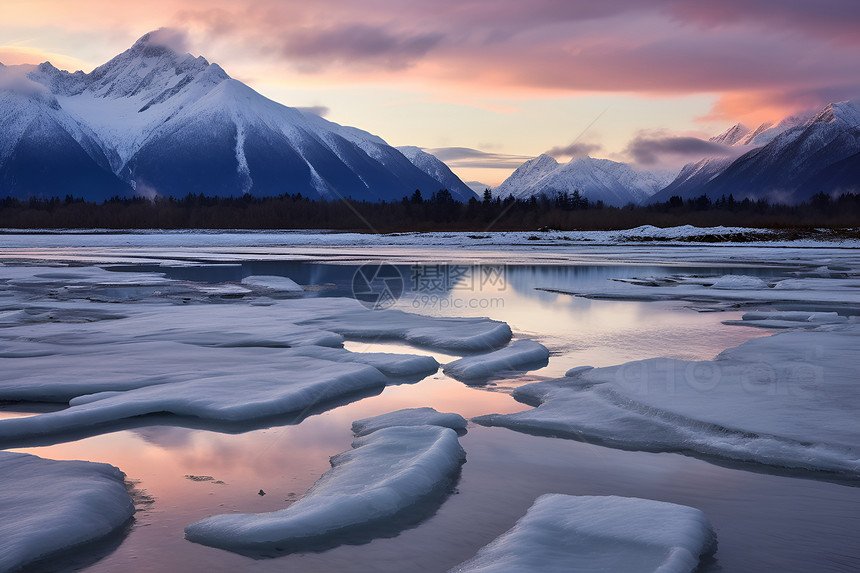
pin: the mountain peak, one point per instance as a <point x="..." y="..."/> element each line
<point x="844" y="111"/>
<point x="161" y="42"/>
<point x="732" y="135"/>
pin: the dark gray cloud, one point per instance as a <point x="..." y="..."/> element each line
<point x="474" y="158"/>
<point x="574" y="150"/>
<point x="319" y="110"/>
<point x="651" y="149"/>
<point x="743" y="50"/>
<point x="357" y="43"/>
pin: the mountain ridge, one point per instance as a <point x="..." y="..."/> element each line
<point x="164" y="123"/>
<point x="611" y="182"/>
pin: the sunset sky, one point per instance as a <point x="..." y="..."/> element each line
<point x="487" y="84"/>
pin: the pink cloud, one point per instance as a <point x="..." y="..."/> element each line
<point x="762" y="53"/>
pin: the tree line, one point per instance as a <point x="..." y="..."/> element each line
<point x="438" y="212"/>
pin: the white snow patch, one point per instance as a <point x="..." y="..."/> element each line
<point x="739" y="282"/>
<point x="409" y="417"/>
<point x="383" y="477"/>
<point x="48" y="506"/>
<point x="565" y="533"/>
<point x="275" y="283"/>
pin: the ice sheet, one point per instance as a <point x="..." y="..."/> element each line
<point x="409" y="417"/>
<point x="48" y="506"/>
<point x="385" y="478"/>
<point x="788" y="400"/>
<point x="564" y="533"/>
<point x="519" y="355"/>
<point x="298" y="381"/>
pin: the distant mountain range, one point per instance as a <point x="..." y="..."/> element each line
<point x="788" y="162"/>
<point x="612" y="182"/>
<point x="799" y="157"/>
<point x="154" y="122"/>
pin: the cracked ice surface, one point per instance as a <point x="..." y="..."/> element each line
<point x="47" y="506"/>
<point x="600" y="533"/>
<point x="389" y="477"/>
<point x="788" y="400"/>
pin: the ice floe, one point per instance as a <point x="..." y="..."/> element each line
<point x="739" y="282"/>
<point x="409" y="417"/>
<point x="788" y="319"/>
<point x="454" y="334"/>
<point x="519" y="355"/>
<point x="294" y="381"/>
<point x="788" y="400"/>
<point x="47" y="506"/>
<point x="806" y="291"/>
<point x="273" y="283"/>
<point x="208" y="363"/>
<point x="564" y="533"/>
<point x="390" y="479"/>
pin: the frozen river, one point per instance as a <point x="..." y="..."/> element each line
<point x="182" y="471"/>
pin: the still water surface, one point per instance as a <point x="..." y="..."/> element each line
<point x="763" y="522"/>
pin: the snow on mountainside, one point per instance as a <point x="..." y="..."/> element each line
<point x="802" y="155"/>
<point x="42" y="149"/>
<point x="164" y="123"/>
<point x="435" y="168"/>
<point x="695" y="175"/>
<point x="799" y="162"/>
<point x="612" y="182"/>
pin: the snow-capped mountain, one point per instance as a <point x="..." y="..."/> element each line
<point x="797" y="162"/>
<point x="612" y="182"/>
<point x="435" y="168"/>
<point x="162" y="123"/>
<point x="42" y="149"/>
<point x="694" y="175"/>
<point x="789" y="162"/>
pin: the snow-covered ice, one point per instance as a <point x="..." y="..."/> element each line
<point x="273" y="283"/>
<point x="519" y="355"/>
<point x="807" y="290"/>
<point x="214" y="362"/>
<point x="409" y="417"/>
<point x="454" y="334"/>
<point x="134" y="241"/>
<point x="739" y="282"/>
<point x="48" y="506"/>
<point x="387" y="477"/>
<point x="788" y="319"/>
<point x="566" y="533"/>
<point x="788" y="400"/>
<point x="296" y="381"/>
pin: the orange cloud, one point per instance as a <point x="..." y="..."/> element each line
<point x="16" y="55"/>
<point x="753" y="52"/>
